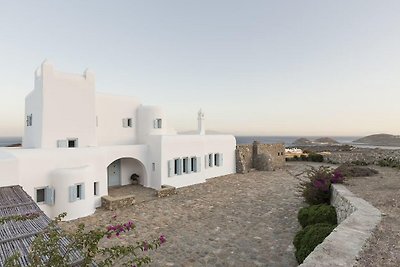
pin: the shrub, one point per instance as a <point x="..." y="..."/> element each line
<point x="350" y="170"/>
<point x="321" y="213"/>
<point x="389" y="162"/>
<point x="315" y="157"/>
<point x="303" y="157"/>
<point x="359" y="163"/>
<point x="310" y="237"/>
<point x="317" y="189"/>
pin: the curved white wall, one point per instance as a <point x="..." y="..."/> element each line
<point x="61" y="180"/>
<point x="146" y="117"/>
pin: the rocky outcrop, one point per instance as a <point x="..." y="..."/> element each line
<point x="380" y="140"/>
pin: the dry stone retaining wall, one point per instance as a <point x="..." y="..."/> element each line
<point x="357" y="219"/>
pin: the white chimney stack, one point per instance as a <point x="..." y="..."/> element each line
<point x="200" y="118"/>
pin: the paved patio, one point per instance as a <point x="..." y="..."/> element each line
<point x="234" y="220"/>
<point x="142" y="194"/>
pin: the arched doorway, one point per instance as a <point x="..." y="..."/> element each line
<point x="120" y="171"/>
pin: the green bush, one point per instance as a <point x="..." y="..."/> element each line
<point x="315" y="157"/>
<point x="321" y="213"/>
<point x="310" y="237"/>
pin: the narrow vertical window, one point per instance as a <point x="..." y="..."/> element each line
<point x="153" y="165"/>
<point x="176" y="166"/>
<point x="193" y="164"/>
<point x="96" y="188"/>
<point x="129" y="122"/>
<point x="78" y="191"/>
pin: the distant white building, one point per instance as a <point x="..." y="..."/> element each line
<point x="77" y="143"/>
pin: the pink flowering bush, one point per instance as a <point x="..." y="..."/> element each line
<point x="317" y="189"/>
<point x="46" y="248"/>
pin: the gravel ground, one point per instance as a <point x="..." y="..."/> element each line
<point x="234" y="220"/>
<point x="383" y="192"/>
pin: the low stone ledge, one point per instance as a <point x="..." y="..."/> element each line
<point x="166" y="190"/>
<point x="113" y="203"/>
<point x="357" y="219"/>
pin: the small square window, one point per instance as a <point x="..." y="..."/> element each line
<point x="40" y="195"/>
<point x="72" y="142"/>
<point x="158" y="123"/>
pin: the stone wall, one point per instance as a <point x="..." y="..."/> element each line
<point x="113" y="203"/>
<point x="244" y="158"/>
<point x="357" y="219"/>
<point x="259" y="156"/>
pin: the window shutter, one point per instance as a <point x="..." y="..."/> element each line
<point x="72" y="193"/>
<point x="188" y="165"/>
<point x="211" y="160"/>
<point x="124" y="123"/>
<point x="49" y="196"/>
<point x="198" y="164"/>
<point x="180" y="166"/>
<point x="171" y="168"/>
<point x="221" y="159"/>
<point x="82" y="191"/>
<point x="155" y="124"/>
<point x="62" y="143"/>
<point x="206" y="158"/>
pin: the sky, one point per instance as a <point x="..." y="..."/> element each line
<point x="255" y="67"/>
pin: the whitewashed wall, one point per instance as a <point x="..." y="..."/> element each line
<point x="179" y="146"/>
<point x="68" y="108"/>
<point x="63" y="167"/>
<point x="111" y="112"/>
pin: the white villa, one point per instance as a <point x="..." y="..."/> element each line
<point x="77" y="143"/>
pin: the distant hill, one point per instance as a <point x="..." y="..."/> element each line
<point x="317" y="142"/>
<point x="380" y="140"/>
<point x="302" y="142"/>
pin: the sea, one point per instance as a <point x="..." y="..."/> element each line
<point x="287" y="140"/>
<point x="6" y="141"/>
